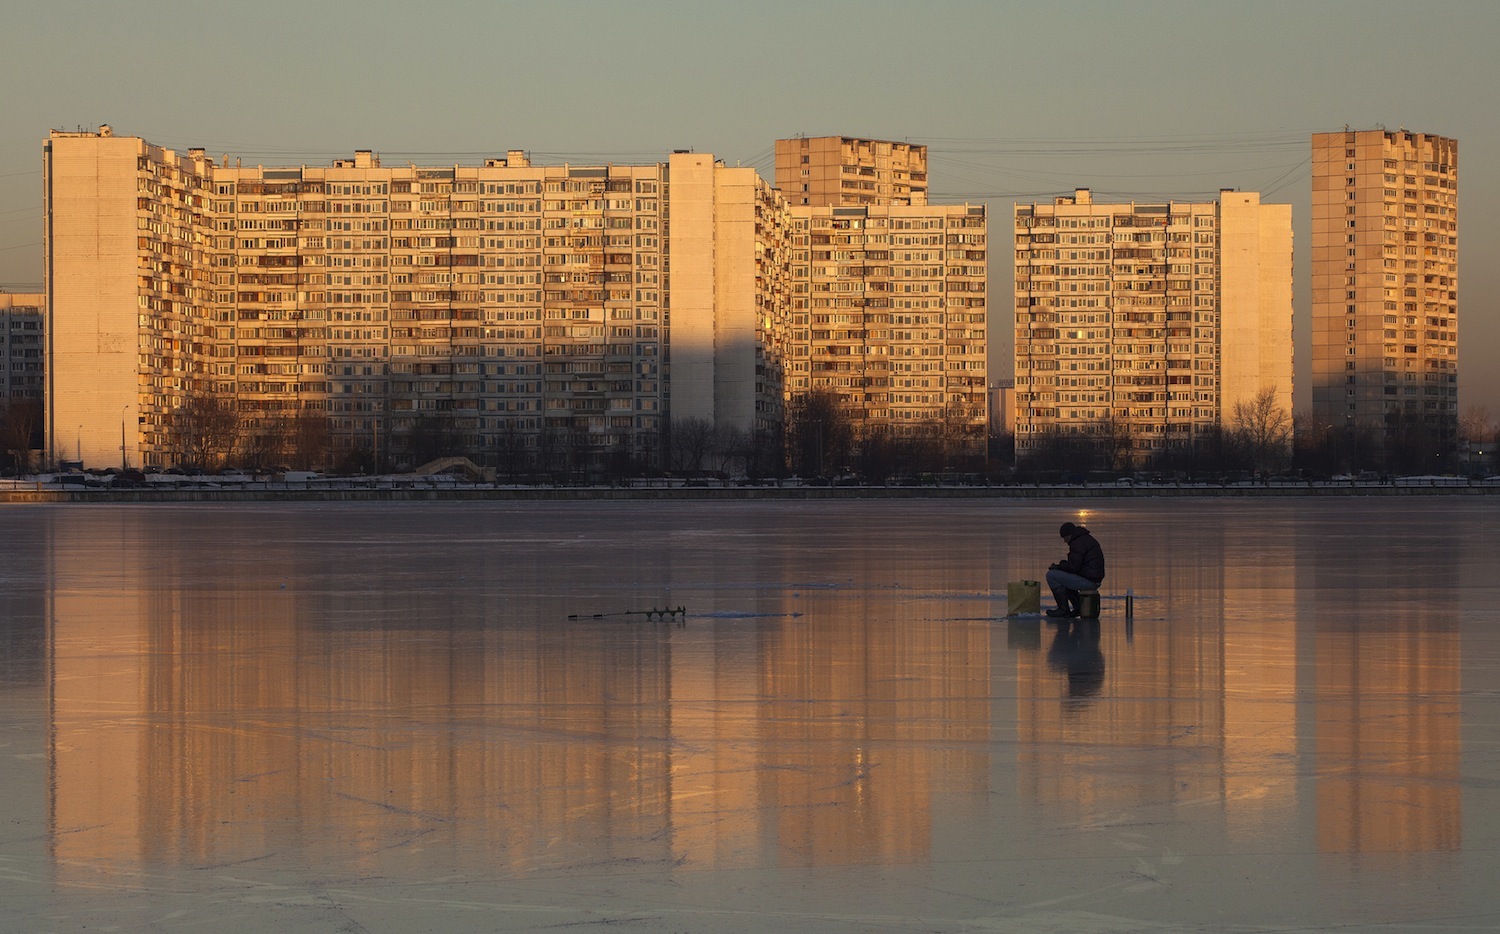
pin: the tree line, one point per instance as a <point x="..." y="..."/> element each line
<point x="821" y="437"/>
<point x="1263" y="439"/>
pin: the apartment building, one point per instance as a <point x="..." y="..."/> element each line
<point x="531" y="315"/>
<point x="128" y="240"/>
<point x="519" y="308"/>
<point x="730" y="289"/>
<point x="1385" y="285"/>
<point x="888" y="313"/>
<point x="1002" y="408"/>
<point x="889" y="307"/>
<point x="22" y="346"/>
<point x="828" y="171"/>
<point x="1141" y="326"/>
<point x="514" y="310"/>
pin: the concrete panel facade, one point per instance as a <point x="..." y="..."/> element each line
<point x="889" y="314"/>
<point x="22" y="346"/>
<point x="841" y="170"/>
<point x="1385" y="283"/>
<point x="538" y="316"/>
<point x="1141" y="326"/>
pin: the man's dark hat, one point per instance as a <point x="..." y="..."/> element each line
<point x="1067" y="529"/>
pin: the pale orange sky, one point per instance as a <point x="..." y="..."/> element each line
<point x="1149" y="101"/>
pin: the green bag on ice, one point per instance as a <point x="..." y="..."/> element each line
<point x="1023" y="597"/>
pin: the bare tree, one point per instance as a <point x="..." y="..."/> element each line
<point x="550" y="446"/>
<point x="1478" y="436"/>
<point x="310" y="439"/>
<point x="579" y="451"/>
<point x="1475" y="425"/>
<point x="1055" y="450"/>
<point x="264" y="445"/>
<point x="1114" y="443"/>
<point x="962" y="438"/>
<point x="1414" y="445"/>
<point x="1264" y="429"/>
<point x="878" y="458"/>
<point x="511" y="448"/>
<point x="767" y="455"/>
<point x="203" y="430"/>
<point x="690" y="442"/>
<point x="1002" y="451"/>
<point x="18" y="429"/>
<point x="820" y="433"/>
<point x="921" y="450"/>
<point x="432" y="436"/>
<point x="732" y="449"/>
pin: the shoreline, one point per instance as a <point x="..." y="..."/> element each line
<point x="417" y="491"/>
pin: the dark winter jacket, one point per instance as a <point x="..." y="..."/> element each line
<point x="1085" y="557"/>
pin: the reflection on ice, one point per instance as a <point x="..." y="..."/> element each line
<point x="471" y="696"/>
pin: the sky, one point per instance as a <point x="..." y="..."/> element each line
<point x="1015" y="101"/>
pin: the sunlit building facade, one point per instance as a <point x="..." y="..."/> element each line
<point x="729" y="250"/>
<point x="22" y="329"/>
<point x="889" y="306"/>
<point x="1141" y="326"/>
<point x="516" y="311"/>
<point x="369" y="314"/>
<point x="1002" y="407"/>
<point x="1385" y="282"/>
<point x="825" y="171"/>
<point x="889" y="314"/>
<point x="517" y="306"/>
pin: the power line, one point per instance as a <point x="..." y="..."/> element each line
<point x="1295" y="173"/>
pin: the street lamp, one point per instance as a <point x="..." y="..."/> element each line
<point x="124" y="462"/>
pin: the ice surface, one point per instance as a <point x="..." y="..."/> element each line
<point x="409" y="717"/>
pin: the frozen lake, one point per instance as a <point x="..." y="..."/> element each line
<point x="464" y="717"/>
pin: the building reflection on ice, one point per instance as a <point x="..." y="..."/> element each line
<point x="1385" y="705"/>
<point x="224" y="719"/>
<point x="214" y="725"/>
<point x="1215" y="687"/>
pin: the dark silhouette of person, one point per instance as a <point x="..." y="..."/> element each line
<point x="1082" y="569"/>
<point x="1075" y="651"/>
